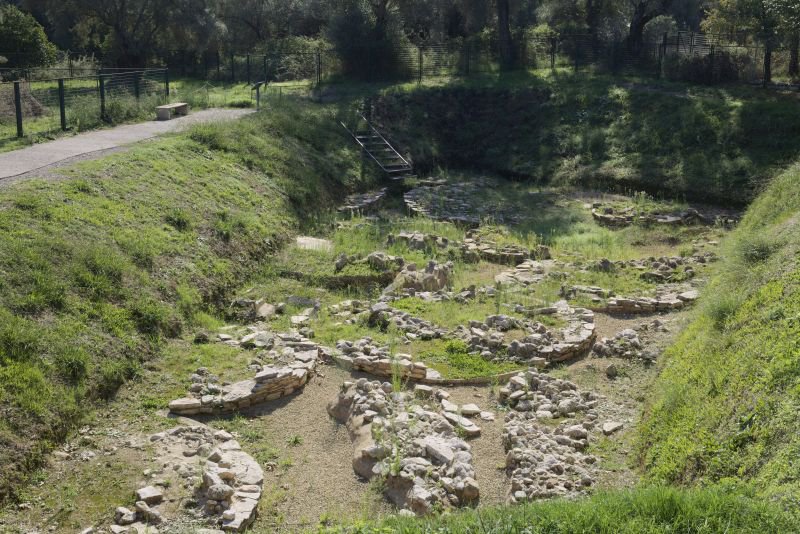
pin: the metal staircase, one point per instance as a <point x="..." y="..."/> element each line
<point x="375" y="145"/>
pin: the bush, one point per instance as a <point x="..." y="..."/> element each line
<point x="24" y="40"/>
<point x="365" y="51"/>
<point x="72" y="364"/>
<point x="154" y="318"/>
<point x="720" y="67"/>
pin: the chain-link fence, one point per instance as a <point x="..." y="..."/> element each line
<point x="29" y="108"/>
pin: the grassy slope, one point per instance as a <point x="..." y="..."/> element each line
<point x="645" y="511"/>
<point x="98" y="269"/>
<point x="709" y="144"/>
<point x="726" y="406"/>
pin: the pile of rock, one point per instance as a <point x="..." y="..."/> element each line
<point x="665" y="301"/>
<point x="526" y="273"/>
<point x="545" y="396"/>
<point x="435" y="277"/>
<point x="382" y="316"/>
<point x="291" y="364"/>
<point x="362" y="202"/>
<point x="475" y="248"/>
<point x="624" y="344"/>
<point x="659" y="270"/>
<point x="631" y="342"/>
<point x="540" y="345"/>
<point x="379" y="261"/>
<point x="419" y="241"/>
<point x="609" y="217"/>
<point x="350" y="311"/>
<point x="226" y="482"/>
<point x="364" y="355"/>
<point x="426" y="466"/>
<point x="546" y="461"/>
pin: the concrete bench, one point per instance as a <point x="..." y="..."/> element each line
<point x="165" y="112"/>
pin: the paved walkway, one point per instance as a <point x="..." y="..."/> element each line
<point x="25" y="160"/>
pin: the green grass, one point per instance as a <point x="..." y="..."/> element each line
<point x="725" y="406"/>
<point x="675" y="140"/>
<point x="83" y="110"/>
<point x="453" y="360"/>
<point x="640" y="511"/>
<point x="99" y="269"/>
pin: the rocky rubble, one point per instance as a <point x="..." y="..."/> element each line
<point x="362" y="202"/>
<point x="222" y="483"/>
<point x="546" y="461"/>
<point x="526" y="273"/>
<point x="363" y="355"/>
<point x="667" y="299"/>
<point x="426" y="466"/>
<point x="382" y="316"/>
<point x="541" y="345"/>
<point x="419" y="241"/>
<point x="475" y="248"/>
<point x="434" y="277"/>
<point x="627" y="343"/>
<point x="278" y="373"/>
<point x="462" y="203"/>
<point x="378" y="261"/>
<point x="607" y="216"/>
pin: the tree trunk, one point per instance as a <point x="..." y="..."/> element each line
<point x="592" y="19"/>
<point x="639" y="19"/>
<point x="504" y="35"/>
<point x="767" y="63"/>
<point x="794" y="55"/>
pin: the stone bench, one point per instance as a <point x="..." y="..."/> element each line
<point x="165" y="112"/>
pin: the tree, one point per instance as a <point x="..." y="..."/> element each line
<point x="23" y="40"/>
<point x="787" y="13"/>
<point x="757" y="17"/>
<point x="504" y="40"/>
<point x="642" y="12"/>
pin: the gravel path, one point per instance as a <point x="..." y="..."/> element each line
<point x="319" y="486"/>
<point x="22" y="163"/>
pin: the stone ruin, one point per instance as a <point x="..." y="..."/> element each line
<point x="463" y="203"/>
<point x="365" y="356"/>
<point x="361" y="202"/>
<point x="544" y="460"/>
<point x="382" y="316"/>
<point x="473" y="249"/>
<point x="541" y="345"/>
<point x="527" y="273"/>
<point x="424" y="463"/>
<point x="435" y="277"/>
<point x="667" y="300"/>
<point x="607" y="216"/>
<point x="419" y="241"/>
<point x="218" y="483"/>
<point x="289" y="365"/>
<point x="378" y="261"/>
<point x="627" y="343"/>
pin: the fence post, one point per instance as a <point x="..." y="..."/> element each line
<point x="248" y="69"/>
<point x="18" y="108"/>
<point x="61" y="104"/>
<point x="102" y="97"/>
<point x="166" y="84"/>
<point x="265" y="67"/>
<point x="319" y="67"/>
<point x="419" y="76"/>
<point x="69" y="62"/>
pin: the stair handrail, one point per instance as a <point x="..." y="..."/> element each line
<point x="363" y="147"/>
<point x="386" y="141"/>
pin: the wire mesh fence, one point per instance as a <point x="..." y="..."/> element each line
<point x="36" y="107"/>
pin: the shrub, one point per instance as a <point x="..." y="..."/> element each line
<point x="719" y="67"/>
<point x="72" y="364"/>
<point x="154" y="318"/>
<point x="25" y="40"/>
<point x="19" y="338"/>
